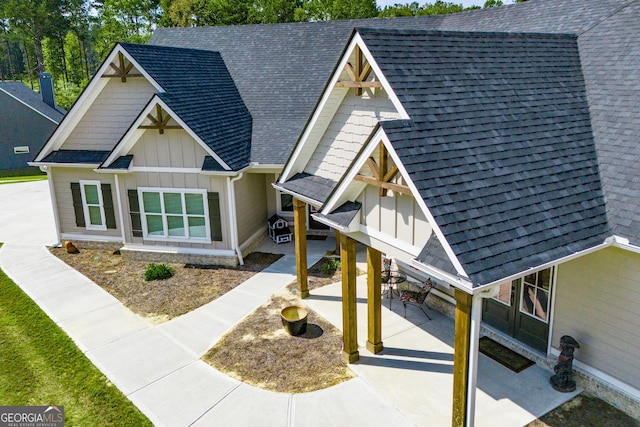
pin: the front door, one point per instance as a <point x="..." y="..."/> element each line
<point x="521" y="309"/>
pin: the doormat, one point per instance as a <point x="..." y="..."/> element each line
<point x="503" y="355"/>
<point x="316" y="237"/>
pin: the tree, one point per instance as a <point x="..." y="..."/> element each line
<point x="126" y="21"/>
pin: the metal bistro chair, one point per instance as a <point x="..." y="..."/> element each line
<point x="417" y="297"/>
<point x="389" y="278"/>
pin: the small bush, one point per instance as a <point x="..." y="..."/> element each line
<point x="157" y="272"/>
<point x="330" y="266"/>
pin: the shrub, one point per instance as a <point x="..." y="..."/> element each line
<point x="330" y="266"/>
<point x="157" y="272"/>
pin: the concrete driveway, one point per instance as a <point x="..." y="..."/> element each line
<point x="26" y="214"/>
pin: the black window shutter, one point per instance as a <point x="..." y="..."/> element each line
<point x="134" y="211"/>
<point x="215" y="219"/>
<point x="109" y="211"/>
<point x="77" y="204"/>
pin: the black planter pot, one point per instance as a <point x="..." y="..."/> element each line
<point x="294" y="319"/>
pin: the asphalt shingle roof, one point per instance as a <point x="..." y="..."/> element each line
<point x="499" y="144"/>
<point x="312" y="186"/>
<point x="76" y="156"/>
<point x="32" y="99"/>
<point x="200" y="90"/>
<point x="280" y="71"/>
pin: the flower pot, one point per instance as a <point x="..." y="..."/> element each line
<point x="294" y="319"/>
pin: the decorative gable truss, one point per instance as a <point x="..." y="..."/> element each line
<point x="157" y="115"/>
<point x="377" y="180"/>
<point x="357" y="72"/>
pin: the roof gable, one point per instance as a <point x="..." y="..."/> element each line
<point x="24" y="95"/>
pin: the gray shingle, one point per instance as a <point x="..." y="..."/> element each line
<point x="200" y="90"/>
<point x="76" y="156"/>
<point x="32" y="99"/>
<point x="311" y="186"/>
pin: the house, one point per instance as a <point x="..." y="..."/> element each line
<point x="26" y="121"/>
<point x="516" y="168"/>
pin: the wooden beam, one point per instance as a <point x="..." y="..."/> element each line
<point x="365" y="72"/>
<point x="351" y="72"/>
<point x="374" y="301"/>
<point x="358" y="69"/>
<point x="391" y="173"/>
<point x="359" y="85"/>
<point x="350" y="352"/>
<point x="374" y="168"/>
<point x="300" y="231"/>
<point x="399" y="188"/>
<point x="462" y="341"/>
<point x="382" y="164"/>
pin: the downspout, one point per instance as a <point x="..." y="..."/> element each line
<point x="233" y="221"/>
<point x="120" y="214"/>
<point x="474" y="331"/>
<point x="56" y="218"/>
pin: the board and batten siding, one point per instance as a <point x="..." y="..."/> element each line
<point x="251" y="205"/>
<point x="62" y="179"/>
<point x="597" y="300"/>
<point x="175" y="148"/>
<point x="169" y="180"/>
<point x="395" y="215"/>
<point x="351" y="125"/>
<point x="110" y="115"/>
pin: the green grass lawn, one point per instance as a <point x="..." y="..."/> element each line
<point x="15" y="179"/>
<point x="40" y="365"/>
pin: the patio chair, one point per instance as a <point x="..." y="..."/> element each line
<point x="389" y="278"/>
<point x="416" y="297"/>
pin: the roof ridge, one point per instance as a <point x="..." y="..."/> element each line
<point x="615" y="12"/>
<point x="465" y="33"/>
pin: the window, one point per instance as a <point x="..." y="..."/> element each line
<point x="21" y="150"/>
<point x="504" y="293"/>
<point x="534" y="297"/>
<point x="174" y="214"/>
<point x="285" y="202"/>
<point x="92" y="205"/>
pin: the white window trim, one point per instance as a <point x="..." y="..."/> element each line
<point x="85" y="206"/>
<point x="167" y="238"/>
<point x="23" y="149"/>
<point x="280" y="212"/>
<point x="551" y="286"/>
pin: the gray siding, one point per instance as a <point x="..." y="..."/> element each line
<point x="20" y="126"/>
<point x="351" y="125"/>
<point x="397" y="216"/>
<point x="251" y="204"/>
<point x="62" y="179"/>
<point x="175" y="180"/>
<point x="174" y="148"/>
<point x="109" y="117"/>
<point x="597" y="300"/>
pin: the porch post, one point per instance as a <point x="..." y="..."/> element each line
<point x="336" y="251"/>
<point x="462" y="341"/>
<point x="374" y="301"/>
<point x="300" y="226"/>
<point x="349" y="317"/>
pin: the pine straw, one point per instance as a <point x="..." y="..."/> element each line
<point x="161" y="300"/>
<point x="258" y="351"/>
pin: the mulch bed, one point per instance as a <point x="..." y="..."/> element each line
<point x="160" y="300"/>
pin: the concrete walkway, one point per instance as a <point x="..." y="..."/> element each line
<point x="159" y="367"/>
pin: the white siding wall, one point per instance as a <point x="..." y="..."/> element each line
<point x="251" y="204"/>
<point x="397" y="216"/>
<point x="62" y="179"/>
<point x="174" y="148"/>
<point x="176" y="180"/>
<point x="350" y="127"/>
<point x="597" y="303"/>
<point x="109" y="117"/>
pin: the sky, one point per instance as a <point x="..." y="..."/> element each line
<point x="465" y="3"/>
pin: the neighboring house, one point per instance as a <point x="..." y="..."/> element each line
<point x="27" y="119"/>
<point x="486" y="159"/>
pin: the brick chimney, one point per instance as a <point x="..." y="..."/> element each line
<point x="46" y="89"/>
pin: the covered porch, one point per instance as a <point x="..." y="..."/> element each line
<point x="414" y="371"/>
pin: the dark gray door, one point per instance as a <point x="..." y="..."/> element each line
<point x="521" y="309"/>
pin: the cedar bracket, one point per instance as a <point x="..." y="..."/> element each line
<point x="358" y="74"/>
<point x="160" y="121"/>
<point x="122" y="69"/>
<point x="383" y="174"/>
